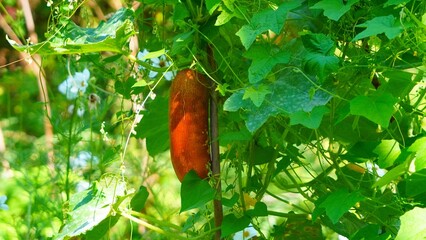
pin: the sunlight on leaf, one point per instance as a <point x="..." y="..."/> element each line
<point x="387" y="152"/>
<point x="413" y="226"/>
<point x="72" y="39"/>
<point x="418" y="147"/>
<point x="212" y="5"/>
<point x="90" y="207"/>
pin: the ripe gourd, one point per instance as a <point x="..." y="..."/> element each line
<point x="188" y="123"/>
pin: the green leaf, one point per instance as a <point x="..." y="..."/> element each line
<point x="393" y="174"/>
<point x="231" y="224"/>
<point x="377" y="108"/>
<point x="125" y="87"/>
<point x="418" y="147"/>
<point x="290" y="93"/>
<point x="224" y="17"/>
<point x="370" y="232"/>
<point x="399" y="83"/>
<point x="266" y="20"/>
<point x="320" y="59"/>
<point x="260" y="210"/>
<point x="99" y="231"/>
<point x="387" y="152"/>
<point x="261" y="155"/>
<point x="142" y="83"/>
<point x="257" y="96"/>
<point x="232" y="137"/>
<point x="319" y="43"/>
<point x="212" y="5"/>
<point x="415" y="183"/>
<point x="388" y="25"/>
<point x="413" y="226"/>
<point x="362" y="152"/>
<point x="89" y="208"/>
<point x="311" y="119"/>
<point x="231" y="202"/>
<point x="138" y="200"/>
<point x="109" y="36"/>
<point x="155" y="54"/>
<point x="334" y="9"/>
<point x="195" y="192"/>
<point x="180" y="13"/>
<point x="154" y="126"/>
<point x="181" y="42"/>
<point x="264" y="59"/>
<point x="396" y="2"/>
<point x="338" y="203"/>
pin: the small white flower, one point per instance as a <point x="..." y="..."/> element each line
<point x="248" y="233"/>
<point x="82" y="185"/>
<point x="3" y="204"/>
<point x="74" y="85"/>
<point x="82" y="159"/>
<point x="158" y="62"/>
<point x="49" y="3"/>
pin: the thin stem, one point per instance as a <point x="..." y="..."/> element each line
<point x="217" y="202"/>
<point x="287" y="202"/>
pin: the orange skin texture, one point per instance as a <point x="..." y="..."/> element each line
<point x="188" y="123"/>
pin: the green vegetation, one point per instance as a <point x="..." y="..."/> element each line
<point x="320" y="109"/>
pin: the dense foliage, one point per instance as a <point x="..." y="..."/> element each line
<point x="321" y="112"/>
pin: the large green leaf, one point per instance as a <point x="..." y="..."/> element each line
<point x="231" y="224"/>
<point x="309" y="119"/>
<point x="413" y="225"/>
<point x="264" y="58"/>
<point x="337" y="203"/>
<point x="266" y="20"/>
<point x="319" y="59"/>
<point x="334" y="9"/>
<point x="195" y="192"/>
<point x="111" y="36"/>
<point x="378" y="107"/>
<point x="290" y="93"/>
<point x="90" y="207"/>
<point x="388" y="25"/>
<point x="154" y="126"/>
